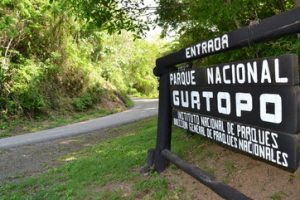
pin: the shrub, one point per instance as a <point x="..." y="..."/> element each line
<point x="24" y="95"/>
<point x="31" y="101"/>
<point x="82" y="103"/>
<point x="89" y="98"/>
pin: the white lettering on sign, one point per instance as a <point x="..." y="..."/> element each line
<point x="241" y="73"/>
<point x="277" y="78"/>
<point x="206" y="47"/>
<point x="265" y="74"/>
<point x="224" y="106"/>
<point x="251" y="105"/>
<point x="275" y="101"/>
<point x="195" y="99"/>
<point x="243" y="103"/>
<point x="207" y="95"/>
<point x="183" y="78"/>
<point x="259" y="142"/>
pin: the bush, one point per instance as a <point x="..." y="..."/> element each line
<point x="31" y="101"/>
<point x="91" y="97"/>
<point x="83" y="103"/>
<point x="96" y="92"/>
<point x="23" y="94"/>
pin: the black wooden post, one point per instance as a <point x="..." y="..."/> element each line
<point x="220" y="188"/>
<point x="163" y="139"/>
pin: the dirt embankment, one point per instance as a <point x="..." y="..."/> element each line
<point x="256" y="179"/>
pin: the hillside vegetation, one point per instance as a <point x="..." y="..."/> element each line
<point x="69" y="56"/>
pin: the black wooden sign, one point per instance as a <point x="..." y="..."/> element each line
<point x="251" y="105"/>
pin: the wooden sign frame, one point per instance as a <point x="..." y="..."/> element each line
<point x="268" y="29"/>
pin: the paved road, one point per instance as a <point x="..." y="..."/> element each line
<point x="143" y="108"/>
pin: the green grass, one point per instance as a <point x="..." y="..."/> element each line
<point x="99" y="172"/>
<point x="279" y="195"/>
<point x="24" y="125"/>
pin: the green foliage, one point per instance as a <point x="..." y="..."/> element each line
<point x="89" y="98"/>
<point x="61" y="55"/>
<point x="216" y="17"/>
<point x="132" y="67"/>
<point x="279" y="195"/>
<point x="21" y="92"/>
<point x="111" y="15"/>
<point x="83" y="103"/>
<point x="199" y="20"/>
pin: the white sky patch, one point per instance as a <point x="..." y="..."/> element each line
<point x="149" y="15"/>
<point x="154" y="32"/>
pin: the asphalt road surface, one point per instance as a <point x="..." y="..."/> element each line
<point x="32" y="153"/>
<point x="143" y="108"/>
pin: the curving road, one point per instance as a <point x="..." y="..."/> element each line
<point x="143" y="108"/>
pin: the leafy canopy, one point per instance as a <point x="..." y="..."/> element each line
<point x="199" y="20"/>
<point x="110" y="15"/>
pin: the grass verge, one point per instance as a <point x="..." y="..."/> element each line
<point x="109" y="170"/>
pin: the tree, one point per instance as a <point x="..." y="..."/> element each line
<point x="188" y="17"/>
<point x="53" y="51"/>
<point x="110" y="15"/>
<point x="198" y="20"/>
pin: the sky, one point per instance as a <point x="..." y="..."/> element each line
<point x="153" y="33"/>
